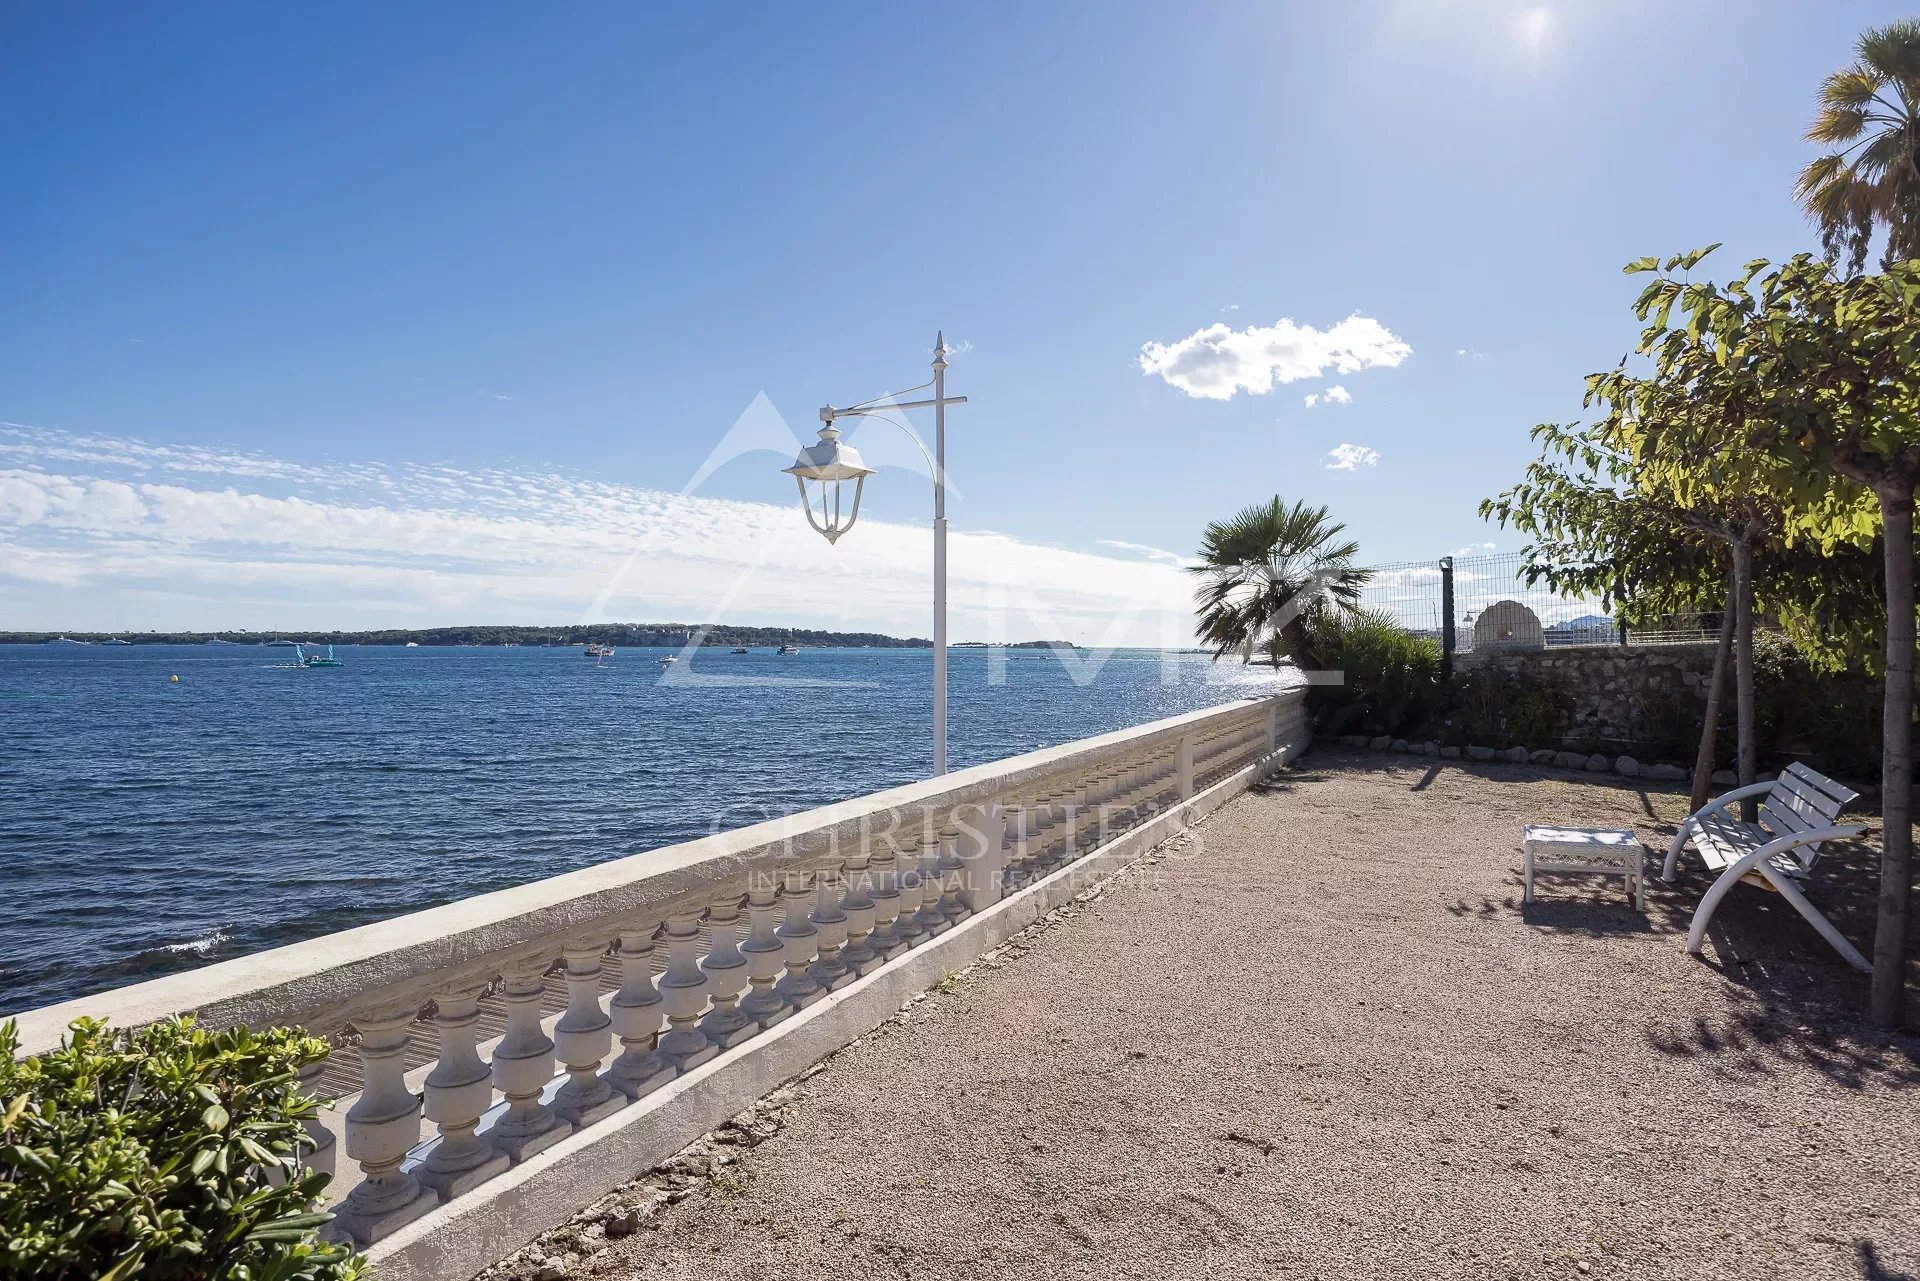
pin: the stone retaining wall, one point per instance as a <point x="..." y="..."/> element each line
<point x="1619" y="693"/>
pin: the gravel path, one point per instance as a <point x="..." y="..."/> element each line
<point x="1326" y="1040"/>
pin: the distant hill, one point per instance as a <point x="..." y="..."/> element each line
<point x="1584" y="623"/>
<point x="674" y="634"/>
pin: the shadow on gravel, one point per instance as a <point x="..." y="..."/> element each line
<point x="1773" y="1025"/>
<point x="1872" y="1269"/>
<point x="1287" y="780"/>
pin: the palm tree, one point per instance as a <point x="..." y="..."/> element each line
<point x="1266" y="572"/>
<point x="1871" y="112"/>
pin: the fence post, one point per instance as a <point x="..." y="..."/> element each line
<point x="1446" y="618"/>
<point x="1623" y="633"/>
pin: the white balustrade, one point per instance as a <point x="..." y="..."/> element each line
<point x="583" y="1038"/>
<point x="320" y="1158"/>
<point x="885" y="939"/>
<point x="383" y="1125"/>
<point x="459" y="1091"/>
<point x="765" y="951"/>
<point x="828" y="899"/>
<point x="638" y="1013"/>
<point x="928" y="918"/>
<point x="523" y="1068"/>
<point x="684" y="990"/>
<point x="857" y="902"/>
<point x="798" y="987"/>
<point x="829" y="969"/>
<point x="726" y="1025"/>
<point x="952" y="871"/>
<point x="911" y="925"/>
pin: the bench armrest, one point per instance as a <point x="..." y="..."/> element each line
<point x="1722" y="801"/>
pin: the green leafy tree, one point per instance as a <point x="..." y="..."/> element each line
<point x="1870" y="113"/>
<point x="170" y="1153"/>
<point x="1264" y="572"/>
<point x="1604" y="522"/>
<point x="1810" y="388"/>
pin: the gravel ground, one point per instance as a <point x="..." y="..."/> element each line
<point x="1325" y="1039"/>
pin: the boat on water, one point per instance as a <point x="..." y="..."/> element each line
<point x="67" y="640"/>
<point x="282" y="643"/>
<point x="302" y="659"/>
<point x="411" y="645"/>
<point x="115" y="640"/>
<point x="668" y="660"/>
<point x="789" y="647"/>
<point x="741" y="649"/>
<point x="599" y="651"/>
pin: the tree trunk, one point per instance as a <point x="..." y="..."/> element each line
<point x="1748" y="756"/>
<point x="1896" y="768"/>
<point x="1710" y="725"/>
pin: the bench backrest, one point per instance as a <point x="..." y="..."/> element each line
<point x="1801" y="800"/>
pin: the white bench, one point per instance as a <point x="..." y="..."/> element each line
<point x="1796" y="817"/>
<point x="1595" y="851"/>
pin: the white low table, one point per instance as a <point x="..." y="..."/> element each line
<point x="1590" y="851"/>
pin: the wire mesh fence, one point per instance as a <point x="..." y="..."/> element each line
<point x="1470" y="603"/>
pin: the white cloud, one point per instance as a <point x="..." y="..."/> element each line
<point x="137" y="537"/>
<point x="1334" y="395"/>
<point x="1218" y="362"/>
<point x="1160" y="554"/>
<point x="1351" y="457"/>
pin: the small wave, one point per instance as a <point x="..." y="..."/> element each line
<point x="200" y="946"/>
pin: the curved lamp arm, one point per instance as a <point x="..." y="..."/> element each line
<point x="933" y="468"/>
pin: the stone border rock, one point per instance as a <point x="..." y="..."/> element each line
<point x="1624" y="766"/>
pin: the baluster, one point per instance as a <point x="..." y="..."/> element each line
<point x="952" y="870"/>
<point x="858" y="904"/>
<point x="726" y="1025"/>
<point x="522" y="1068"/>
<point x="638" y="1014"/>
<point x="910" y="927"/>
<point x="459" y="1091"/>
<point x="829" y="968"/>
<point x="320" y="1158"/>
<point x="798" y="987"/>
<point x="1045" y="831"/>
<point x="583" y="1038"/>
<point x="1018" y="810"/>
<point x="382" y="1127"/>
<point x="886" y="900"/>
<point x="927" y="857"/>
<point x="765" y="949"/>
<point x="684" y="989"/>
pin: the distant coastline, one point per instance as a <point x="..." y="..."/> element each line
<point x="640" y="634"/>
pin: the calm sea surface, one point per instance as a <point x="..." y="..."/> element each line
<point x="148" y="825"/>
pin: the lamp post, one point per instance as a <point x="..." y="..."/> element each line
<point x="830" y="463"/>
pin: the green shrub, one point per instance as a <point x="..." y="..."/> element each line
<point x="168" y="1152"/>
<point x="1493" y="706"/>
<point x="1392" y="680"/>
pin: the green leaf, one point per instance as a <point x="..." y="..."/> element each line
<point x="1639" y="265"/>
<point x="215" y="1118"/>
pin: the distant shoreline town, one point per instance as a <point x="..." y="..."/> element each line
<point x="636" y="634"/>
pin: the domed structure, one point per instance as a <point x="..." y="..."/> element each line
<point x="1508" y="624"/>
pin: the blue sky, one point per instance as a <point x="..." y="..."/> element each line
<point x="427" y="314"/>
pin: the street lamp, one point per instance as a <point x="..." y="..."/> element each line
<point x="830" y="463"/>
